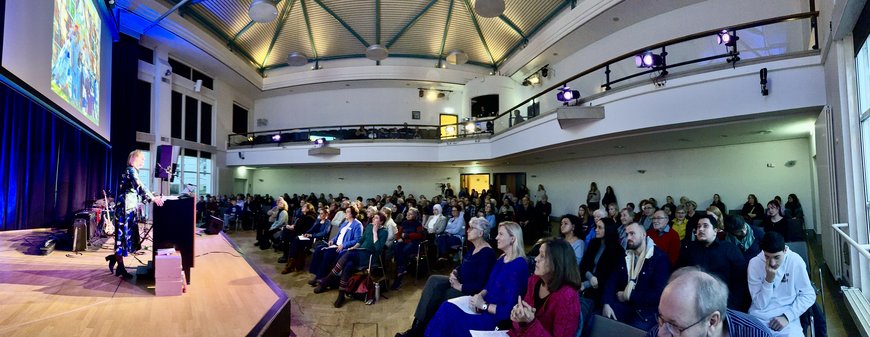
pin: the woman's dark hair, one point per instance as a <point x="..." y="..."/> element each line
<point x="776" y="203"/>
<point x="382" y="216"/>
<point x="564" y="264"/>
<point x="578" y="227"/>
<point x="796" y="201"/>
<point x="586" y="214"/>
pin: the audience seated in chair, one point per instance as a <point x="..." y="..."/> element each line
<point x="743" y="235"/>
<point x="300" y="226"/>
<point x="453" y="234"/>
<point x="374" y="237"/>
<point x="695" y="303"/>
<point x="297" y="247"/>
<point x="780" y="286"/>
<point x="550" y="306"/>
<point x="632" y="293"/>
<point x="720" y="258"/>
<point x="408" y="238"/>
<point x="324" y="258"/>
<point x="493" y="304"/>
<point x="467" y="279"/>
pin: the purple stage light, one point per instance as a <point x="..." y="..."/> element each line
<point x="276" y="138"/>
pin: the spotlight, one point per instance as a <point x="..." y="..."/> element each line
<point x="450" y="130"/>
<point x="441" y="95"/>
<point x="535" y="79"/>
<point x="648" y="60"/>
<point x="276" y="138"/>
<point x="727" y="38"/>
<point x="762" y="74"/>
<point x="545" y="71"/>
<point x="250" y="138"/>
<point x="565" y="94"/>
<point x="469" y="127"/>
<point x="319" y="142"/>
<point x="422" y="93"/>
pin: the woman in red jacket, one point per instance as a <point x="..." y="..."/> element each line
<point x="551" y="306"/>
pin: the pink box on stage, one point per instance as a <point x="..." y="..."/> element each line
<point x="169" y="288"/>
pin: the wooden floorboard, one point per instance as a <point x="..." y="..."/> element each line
<point x="63" y="294"/>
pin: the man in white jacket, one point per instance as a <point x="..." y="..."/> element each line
<point x="779" y="286"/>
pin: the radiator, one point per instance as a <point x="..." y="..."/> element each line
<point x="859" y="309"/>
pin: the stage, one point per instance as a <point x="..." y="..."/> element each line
<point x="66" y="294"/>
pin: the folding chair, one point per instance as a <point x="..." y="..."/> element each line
<point x="808" y="318"/>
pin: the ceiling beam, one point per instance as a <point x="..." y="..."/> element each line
<point x="285" y="13"/>
<point x="446" y="28"/>
<point x="353" y="56"/>
<point x="534" y="30"/>
<point x="248" y="26"/>
<point x="378" y="21"/>
<point x="410" y="23"/>
<point x="346" y="26"/>
<point x="513" y="26"/>
<point x="164" y="15"/>
<point x="479" y="32"/>
<point x="308" y="26"/>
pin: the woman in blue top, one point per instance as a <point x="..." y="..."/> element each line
<point x="297" y="249"/>
<point x="494" y="303"/>
<point x="324" y="258"/>
<point x="468" y="279"/>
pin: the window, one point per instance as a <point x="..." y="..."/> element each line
<point x="191" y="119"/>
<point x="862" y="71"/>
<point x="240" y="119"/>
<point x="142" y="111"/>
<point x="196" y="170"/>
<point x="190" y="73"/>
<point x="179" y="68"/>
<point x="146" y="54"/>
<point x="145" y="171"/>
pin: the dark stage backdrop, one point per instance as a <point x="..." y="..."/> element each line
<point x="49" y="168"/>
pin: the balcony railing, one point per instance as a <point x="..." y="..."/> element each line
<point x="785" y="36"/>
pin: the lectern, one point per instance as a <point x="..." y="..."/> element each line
<point x="174" y="226"/>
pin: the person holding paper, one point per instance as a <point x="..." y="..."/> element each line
<point x="372" y="243"/>
<point x="493" y="304"/>
<point x="299" y="244"/>
<point x="324" y="258"/>
<point x="468" y="279"/>
<point x="551" y="306"/>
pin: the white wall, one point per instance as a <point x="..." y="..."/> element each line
<point x="357" y="180"/>
<point x="732" y="171"/>
<point x="353" y="106"/>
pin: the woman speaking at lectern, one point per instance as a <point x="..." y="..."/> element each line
<point x="130" y="193"/>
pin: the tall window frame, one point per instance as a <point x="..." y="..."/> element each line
<point x="862" y="75"/>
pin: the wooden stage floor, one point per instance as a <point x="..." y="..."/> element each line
<point x="63" y="294"/>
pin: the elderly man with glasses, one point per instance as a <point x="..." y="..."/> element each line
<point x="664" y="237"/>
<point x="694" y="303"/>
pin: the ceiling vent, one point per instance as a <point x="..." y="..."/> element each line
<point x="377" y="52"/>
<point x="263" y="11"/>
<point x="296" y="59"/>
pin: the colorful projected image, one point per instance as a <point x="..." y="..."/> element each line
<point x="75" y="56"/>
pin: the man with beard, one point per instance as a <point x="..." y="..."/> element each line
<point x="632" y="293"/>
<point x="720" y="258"/>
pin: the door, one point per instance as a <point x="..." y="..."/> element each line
<point x="240" y="186"/>
<point x="508" y="183"/>
<point x="476" y="182"/>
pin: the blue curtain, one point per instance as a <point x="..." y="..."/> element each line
<point x="49" y="168"/>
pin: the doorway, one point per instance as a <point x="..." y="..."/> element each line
<point x="474" y="182"/>
<point x="448" y="126"/>
<point x="504" y="183"/>
<point x="240" y="186"/>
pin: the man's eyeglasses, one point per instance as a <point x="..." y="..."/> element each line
<point x="675" y="330"/>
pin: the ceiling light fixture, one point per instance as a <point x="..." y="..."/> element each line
<point x="457" y="57"/>
<point x="377" y="52"/>
<point x="489" y="8"/>
<point x="297" y="59"/>
<point x="648" y="60"/>
<point x="263" y="11"/>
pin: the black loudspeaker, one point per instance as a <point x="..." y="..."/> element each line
<point x="79" y="234"/>
<point x="166" y="162"/>
<point x="213" y="225"/>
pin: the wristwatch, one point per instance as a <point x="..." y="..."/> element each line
<point x="484" y="307"/>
